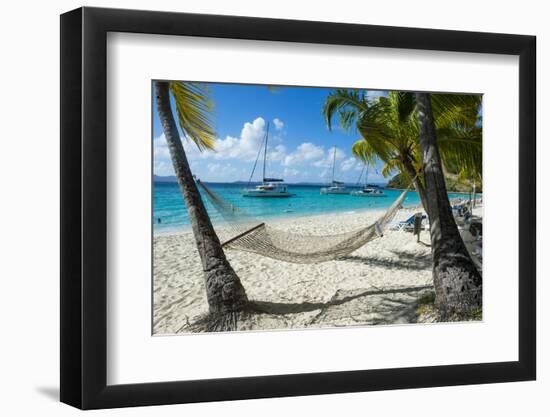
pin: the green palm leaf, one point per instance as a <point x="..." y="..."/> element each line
<point x="456" y="109"/>
<point x="364" y="151"/>
<point x="194" y="110"/>
<point x="347" y="104"/>
<point x="389" y="129"/>
<point x="393" y="166"/>
<point x="461" y="151"/>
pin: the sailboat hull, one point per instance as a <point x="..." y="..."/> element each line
<point x="265" y="194"/>
<point x="334" y="191"/>
<point x="363" y="194"/>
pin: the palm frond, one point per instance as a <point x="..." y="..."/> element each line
<point x="379" y="125"/>
<point x="347" y="118"/>
<point x="458" y="123"/>
<point x="406" y="105"/>
<point x="364" y="151"/>
<point x="456" y="109"/>
<point x="194" y="109"/>
<point x="348" y="104"/>
<point x="461" y="151"/>
<point x="391" y="167"/>
<point x="389" y="129"/>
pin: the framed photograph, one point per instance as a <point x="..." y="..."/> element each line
<point x="257" y="208"/>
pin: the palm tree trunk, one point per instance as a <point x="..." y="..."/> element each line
<point x="416" y="182"/>
<point x="457" y="281"/>
<point x="224" y="290"/>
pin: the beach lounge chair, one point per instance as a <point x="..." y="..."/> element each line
<point x="406" y="224"/>
<point x="425" y="224"/>
<point x="475" y="248"/>
<point x="462" y="213"/>
<point x="401" y="224"/>
<point x="458" y="208"/>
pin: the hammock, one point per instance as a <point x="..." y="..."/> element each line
<point x="245" y="233"/>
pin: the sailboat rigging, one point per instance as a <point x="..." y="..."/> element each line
<point x="368" y="190"/>
<point x="335" y="187"/>
<point x="270" y="187"/>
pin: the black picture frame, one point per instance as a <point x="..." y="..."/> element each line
<point x="84" y="207"/>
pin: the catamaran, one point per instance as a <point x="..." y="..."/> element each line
<point x="270" y="187"/>
<point x="368" y="190"/>
<point x="335" y="187"/>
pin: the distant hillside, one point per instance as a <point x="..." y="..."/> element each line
<point x="398" y="181"/>
<point x="452" y="182"/>
<point x="159" y="178"/>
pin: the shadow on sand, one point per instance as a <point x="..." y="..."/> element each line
<point x="268" y="307"/>
<point x="406" y="260"/>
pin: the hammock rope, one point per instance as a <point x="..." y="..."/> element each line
<point x="246" y="233"/>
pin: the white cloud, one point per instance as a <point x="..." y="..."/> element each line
<point x="349" y="164"/>
<point x="290" y="173"/>
<point x="234" y="157"/>
<point x="163" y="168"/>
<point x="329" y="158"/>
<point x="213" y="167"/>
<point x="161" y="157"/>
<point x="278" y="153"/>
<point x="160" y="148"/>
<point x="307" y="151"/>
<point x="278" y="123"/>
<point x="245" y="147"/>
<point x="325" y="174"/>
<point x="162" y="160"/>
<point x="224" y="170"/>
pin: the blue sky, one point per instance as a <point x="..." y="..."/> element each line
<point x="300" y="147"/>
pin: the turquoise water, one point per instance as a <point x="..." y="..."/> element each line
<point x="168" y="203"/>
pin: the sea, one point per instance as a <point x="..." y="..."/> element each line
<point x="170" y="214"/>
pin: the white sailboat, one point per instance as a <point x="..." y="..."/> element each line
<point x="270" y="187"/>
<point x="335" y="187"/>
<point x="368" y="190"/>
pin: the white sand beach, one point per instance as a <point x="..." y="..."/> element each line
<point x="378" y="284"/>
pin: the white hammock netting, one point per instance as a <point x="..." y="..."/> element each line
<point x="245" y="233"/>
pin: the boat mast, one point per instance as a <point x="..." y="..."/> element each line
<point x="265" y="149"/>
<point x="367" y="175"/>
<point x="358" y="183"/>
<point x="333" y="164"/>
